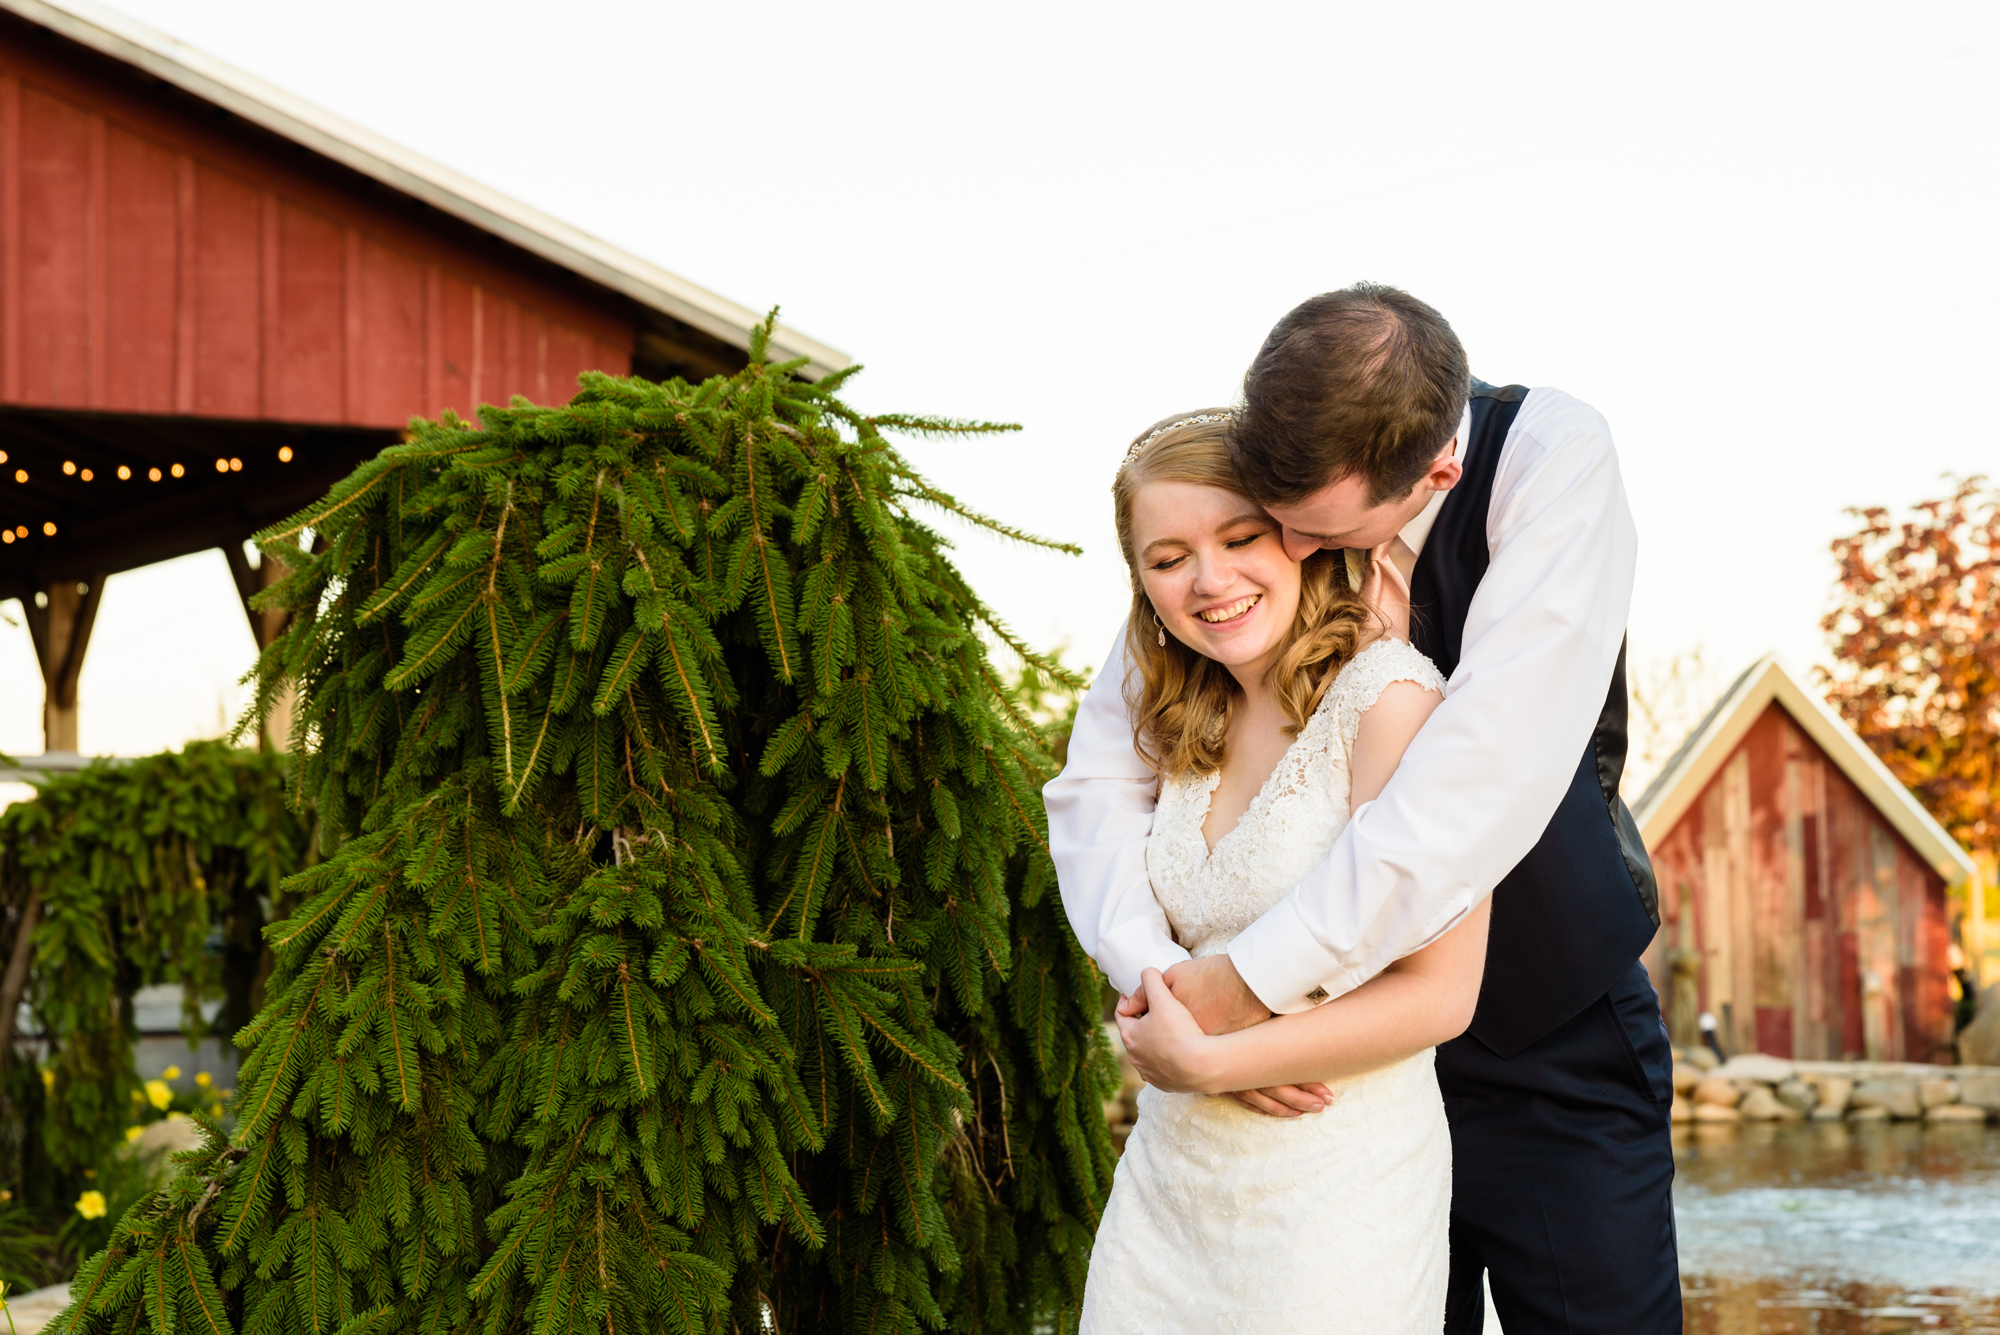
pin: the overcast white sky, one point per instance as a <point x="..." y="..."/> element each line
<point x="1759" y="237"/>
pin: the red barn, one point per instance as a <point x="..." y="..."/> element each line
<point x="216" y="299"/>
<point x="1802" y="888"/>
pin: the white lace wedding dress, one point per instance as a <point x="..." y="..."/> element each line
<point x="1223" y="1219"/>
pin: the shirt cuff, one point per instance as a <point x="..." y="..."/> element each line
<point x="1279" y="960"/>
<point x="1130" y="949"/>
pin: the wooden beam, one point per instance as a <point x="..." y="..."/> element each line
<point x="60" y="618"/>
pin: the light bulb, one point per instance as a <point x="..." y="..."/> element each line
<point x="7" y="537"/>
<point x="88" y="475"/>
<point x="178" y="470"/>
<point x="235" y="465"/>
<point x="20" y="475"/>
<point x="124" y="473"/>
<point x="153" y="474"/>
<point x="69" y="468"/>
<point x="284" y="455"/>
<point x="49" y="528"/>
<point x="222" y="465"/>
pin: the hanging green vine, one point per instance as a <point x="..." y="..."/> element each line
<point x="690" y="960"/>
<point x="160" y="870"/>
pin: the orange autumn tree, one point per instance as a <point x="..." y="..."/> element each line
<point x="1915" y="631"/>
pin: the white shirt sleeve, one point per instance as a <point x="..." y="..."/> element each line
<point x="1100" y="816"/>
<point x="1482" y="779"/>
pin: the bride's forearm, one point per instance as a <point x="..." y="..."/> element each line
<point x="1395" y="1015"/>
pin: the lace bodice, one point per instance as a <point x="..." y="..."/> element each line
<point x="1289" y="827"/>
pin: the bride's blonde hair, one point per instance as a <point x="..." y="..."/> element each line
<point x="1180" y="700"/>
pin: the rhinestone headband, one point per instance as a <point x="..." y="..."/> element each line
<point x="1175" y="425"/>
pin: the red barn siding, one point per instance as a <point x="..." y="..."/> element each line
<point x="1820" y="932"/>
<point x="158" y="257"/>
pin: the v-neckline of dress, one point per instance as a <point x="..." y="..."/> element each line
<point x="1260" y="800"/>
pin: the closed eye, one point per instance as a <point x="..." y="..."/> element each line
<point x="1169" y="563"/>
<point x="1235" y="543"/>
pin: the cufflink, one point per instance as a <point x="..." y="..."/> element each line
<point x="1316" y="996"/>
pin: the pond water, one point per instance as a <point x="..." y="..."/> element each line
<point x="1839" y="1227"/>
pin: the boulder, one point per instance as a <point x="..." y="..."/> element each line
<point x="1715" y="1112"/>
<point x="1717" y="1093"/>
<point x="1761" y="1105"/>
<point x="1981" y="1091"/>
<point x="1682" y="1111"/>
<point x="1955" y="1112"/>
<point x="1756" y="1066"/>
<point x="1897" y="1097"/>
<point x="1797" y="1095"/>
<point x="1870" y="1114"/>
<point x="1826" y="1113"/>
<point x="1702" y="1059"/>
<point x="1685" y="1078"/>
<point x="1835" y="1091"/>
<point x="1937" y="1093"/>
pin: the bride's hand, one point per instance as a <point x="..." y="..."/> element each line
<point x="1385" y="590"/>
<point x="1165" y="1044"/>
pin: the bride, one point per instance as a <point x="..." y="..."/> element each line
<point x="1271" y="697"/>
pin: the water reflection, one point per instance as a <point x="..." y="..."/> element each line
<point x="1839" y="1227"/>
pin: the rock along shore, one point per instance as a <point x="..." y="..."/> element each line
<point x="1755" y="1088"/>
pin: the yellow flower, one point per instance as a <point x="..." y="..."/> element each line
<point x="177" y="1117"/>
<point x="171" y="1073"/>
<point x="91" y="1205"/>
<point x="158" y="1094"/>
<point x="133" y="1133"/>
<point x="48" y="1081"/>
<point x="204" y="1079"/>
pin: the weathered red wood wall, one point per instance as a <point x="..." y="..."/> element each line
<point x="158" y="256"/>
<point x="1820" y="932"/>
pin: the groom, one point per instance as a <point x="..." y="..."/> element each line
<point x="1504" y="510"/>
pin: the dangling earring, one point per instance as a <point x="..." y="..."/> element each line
<point x="1162" y="639"/>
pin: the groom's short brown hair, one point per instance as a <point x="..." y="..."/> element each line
<point x="1365" y="381"/>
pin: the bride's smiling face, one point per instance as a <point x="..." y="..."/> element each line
<point x="1215" y="570"/>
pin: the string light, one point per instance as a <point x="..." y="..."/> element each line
<point x="49" y="528"/>
<point x="21" y="532"/>
<point x="178" y="470"/>
<point x="152" y="475"/>
<point x="69" y="468"/>
<point x="3" y="456"/>
<point x="235" y="465"/>
<point x="222" y="465"/>
<point x="124" y="473"/>
<point x="87" y="475"/>
<point x="20" y="475"/>
<point x="7" y="537"/>
<point x="284" y="455"/>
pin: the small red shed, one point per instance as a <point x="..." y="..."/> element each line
<point x="1802" y="888"/>
<point x="216" y="299"/>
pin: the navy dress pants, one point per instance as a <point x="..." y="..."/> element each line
<point x="1562" y="1170"/>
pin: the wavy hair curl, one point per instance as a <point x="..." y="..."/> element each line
<point x="1180" y="700"/>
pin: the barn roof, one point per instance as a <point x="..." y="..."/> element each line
<point x="1714" y="740"/>
<point x="321" y="131"/>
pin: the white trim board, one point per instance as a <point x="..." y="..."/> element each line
<point x="1714" y="739"/>
<point x="104" y="30"/>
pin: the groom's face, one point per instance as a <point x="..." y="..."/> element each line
<point x="1341" y="514"/>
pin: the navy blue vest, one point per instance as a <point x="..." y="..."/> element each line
<point x="1576" y="912"/>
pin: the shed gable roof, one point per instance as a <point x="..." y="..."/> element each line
<point x="1715" y="738"/>
<point x="282" y="113"/>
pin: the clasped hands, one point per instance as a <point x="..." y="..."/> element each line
<point x="1164" y="1024"/>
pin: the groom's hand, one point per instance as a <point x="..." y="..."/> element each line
<point x="1215" y="994"/>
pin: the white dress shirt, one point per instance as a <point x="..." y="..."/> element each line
<point x="1478" y="784"/>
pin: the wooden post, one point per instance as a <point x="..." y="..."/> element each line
<point x="1975" y="916"/>
<point x="265" y="626"/>
<point x="59" y="621"/>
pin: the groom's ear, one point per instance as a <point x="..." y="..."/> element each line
<point x="1445" y="470"/>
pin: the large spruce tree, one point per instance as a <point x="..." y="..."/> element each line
<point x="689" y="958"/>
